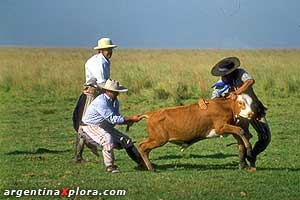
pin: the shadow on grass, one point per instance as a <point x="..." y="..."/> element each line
<point x="287" y="169"/>
<point x="229" y="166"/>
<point x="38" y="151"/>
<point x="216" y="156"/>
<point x="226" y="166"/>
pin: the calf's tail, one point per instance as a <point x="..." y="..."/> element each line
<point x="145" y="116"/>
<point x="141" y="117"/>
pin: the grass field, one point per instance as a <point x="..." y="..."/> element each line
<point x="39" y="89"/>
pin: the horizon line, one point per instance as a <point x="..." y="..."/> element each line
<point x="152" y="48"/>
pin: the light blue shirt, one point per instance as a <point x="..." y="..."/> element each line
<point x="97" y="70"/>
<point x="102" y="111"/>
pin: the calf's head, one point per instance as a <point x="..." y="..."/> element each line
<point x="243" y="104"/>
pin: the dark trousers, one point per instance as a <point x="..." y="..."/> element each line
<point x="263" y="131"/>
<point x="88" y="94"/>
<point x="264" y="135"/>
<point x="78" y="112"/>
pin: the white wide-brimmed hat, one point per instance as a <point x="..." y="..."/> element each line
<point x="113" y="85"/>
<point x="105" y="43"/>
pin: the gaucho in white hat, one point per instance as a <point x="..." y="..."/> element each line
<point x="97" y="68"/>
<point x="97" y="126"/>
<point x="97" y="71"/>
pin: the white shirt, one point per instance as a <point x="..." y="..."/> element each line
<point x="97" y="70"/>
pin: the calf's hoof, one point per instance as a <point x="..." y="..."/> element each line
<point x="250" y="169"/>
<point x="151" y="168"/>
<point x="141" y="167"/>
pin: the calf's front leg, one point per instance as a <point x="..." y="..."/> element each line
<point x="242" y="152"/>
<point x="235" y="130"/>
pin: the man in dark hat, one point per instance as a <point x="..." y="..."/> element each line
<point x="234" y="81"/>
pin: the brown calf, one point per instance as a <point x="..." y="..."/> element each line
<point x="185" y="125"/>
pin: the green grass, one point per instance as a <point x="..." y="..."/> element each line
<point x="37" y="139"/>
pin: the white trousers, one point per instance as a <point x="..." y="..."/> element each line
<point x="97" y="136"/>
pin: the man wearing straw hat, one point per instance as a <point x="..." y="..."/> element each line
<point x="97" y="126"/>
<point x="97" y="71"/>
<point x="234" y="81"/>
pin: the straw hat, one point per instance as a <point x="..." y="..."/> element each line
<point x="225" y="66"/>
<point x="113" y="85"/>
<point x="105" y="43"/>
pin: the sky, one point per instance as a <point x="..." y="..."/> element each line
<point x="151" y="23"/>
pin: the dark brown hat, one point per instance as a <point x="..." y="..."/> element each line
<point x="225" y="66"/>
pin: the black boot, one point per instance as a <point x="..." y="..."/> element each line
<point x="134" y="154"/>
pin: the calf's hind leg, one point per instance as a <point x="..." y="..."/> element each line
<point x="145" y="147"/>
